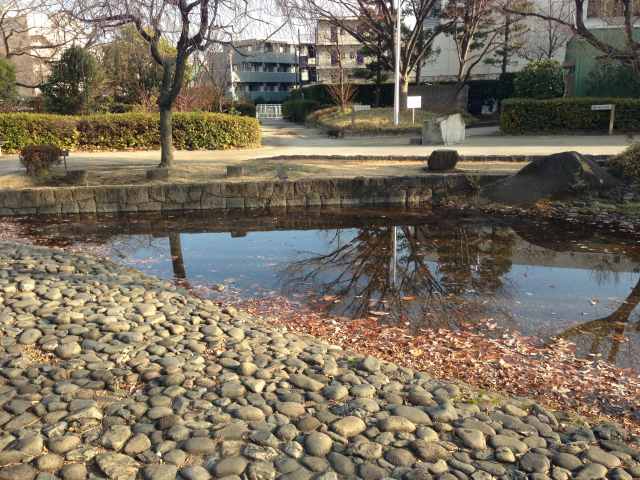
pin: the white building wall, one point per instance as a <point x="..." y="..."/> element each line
<point x="444" y="66"/>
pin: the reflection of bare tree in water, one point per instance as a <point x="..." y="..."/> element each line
<point x="475" y="259"/>
<point x="361" y="272"/>
<point x="123" y="246"/>
<point x="608" y="330"/>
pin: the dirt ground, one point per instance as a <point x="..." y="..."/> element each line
<point x="281" y="139"/>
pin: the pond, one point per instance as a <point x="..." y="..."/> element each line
<point x="425" y="269"/>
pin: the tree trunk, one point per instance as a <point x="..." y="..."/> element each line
<point x="177" y="259"/>
<point x="404" y="92"/>
<point x="506" y="53"/>
<point x="378" y="87"/>
<point x="461" y="98"/>
<point x="166" y="137"/>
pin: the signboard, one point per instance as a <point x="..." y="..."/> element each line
<point x="361" y="108"/>
<point x="414" y="101"/>
<point x="607" y="107"/>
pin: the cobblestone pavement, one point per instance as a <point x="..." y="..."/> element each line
<point x="107" y="373"/>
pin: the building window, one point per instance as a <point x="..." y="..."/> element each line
<point x="360" y="58"/>
<point x="334" y="34"/>
<point x="436" y="11"/>
<point x="334" y="58"/>
<point x="609" y="8"/>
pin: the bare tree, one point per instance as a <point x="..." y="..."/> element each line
<point x="375" y="25"/>
<point x="547" y="38"/>
<point x="37" y="31"/>
<point x="623" y="13"/>
<point x="214" y="72"/>
<point x="476" y="32"/>
<point x="341" y="89"/>
<point x="190" y="26"/>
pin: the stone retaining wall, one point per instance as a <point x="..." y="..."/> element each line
<point x="401" y="191"/>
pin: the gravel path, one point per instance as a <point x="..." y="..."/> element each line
<point x="107" y="373"/>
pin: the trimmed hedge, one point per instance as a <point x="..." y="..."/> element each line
<point x="297" y="110"/>
<point x="127" y="131"/>
<point x="18" y="130"/>
<point x="562" y="115"/>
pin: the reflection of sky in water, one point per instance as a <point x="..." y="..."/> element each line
<point x="242" y="262"/>
<point x="538" y="300"/>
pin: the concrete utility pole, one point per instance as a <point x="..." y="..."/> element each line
<point x="396" y="91"/>
<point x="232" y="88"/>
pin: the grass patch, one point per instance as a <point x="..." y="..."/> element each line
<point x="375" y="121"/>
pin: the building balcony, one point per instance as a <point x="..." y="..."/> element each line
<point x="269" y="97"/>
<point x="266" y="77"/>
<point x="265" y="57"/>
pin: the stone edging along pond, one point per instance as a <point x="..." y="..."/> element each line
<point x="395" y="191"/>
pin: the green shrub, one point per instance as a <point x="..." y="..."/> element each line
<point x="38" y="159"/>
<point x="191" y="131"/>
<point x="627" y="164"/>
<point x="246" y="109"/>
<point x="613" y="80"/>
<point x="18" y="130"/>
<point x="540" y="79"/>
<point x="118" y="131"/>
<point x="214" y="131"/>
<point x="562" y="115"/>
<point x="297" y="110"/>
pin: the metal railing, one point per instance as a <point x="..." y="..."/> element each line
<point x="268" y="111"/>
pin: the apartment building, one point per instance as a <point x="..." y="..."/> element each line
<point x="336" y="49"/>
<point x="31" y="63"/>
<point x="534" y="36"/>
<point x="264" y="70"/>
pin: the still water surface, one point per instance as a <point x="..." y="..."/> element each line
<point x="436" y="269"/>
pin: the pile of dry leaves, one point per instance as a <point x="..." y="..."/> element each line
<point x="510" y="363"/>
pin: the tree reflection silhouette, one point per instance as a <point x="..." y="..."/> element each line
<point x="611" y="329"/>
<point x="434" y="268"/>
<point x="177" y="260"/>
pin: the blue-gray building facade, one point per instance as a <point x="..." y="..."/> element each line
<point x="265" y="71"/>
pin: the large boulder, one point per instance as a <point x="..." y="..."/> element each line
<point x="553" y="176"/>
<point x="442" y="160"/>
<point x="447" y="130"/>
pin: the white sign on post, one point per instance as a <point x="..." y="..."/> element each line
<point x="414" y="102"/>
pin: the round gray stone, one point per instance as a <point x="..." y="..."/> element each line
<point x="318" y="444"/>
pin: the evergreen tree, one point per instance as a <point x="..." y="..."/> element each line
<point x="131" y="74"/>
<point x="73" y="85"/>
<point x="7" y="81"/>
